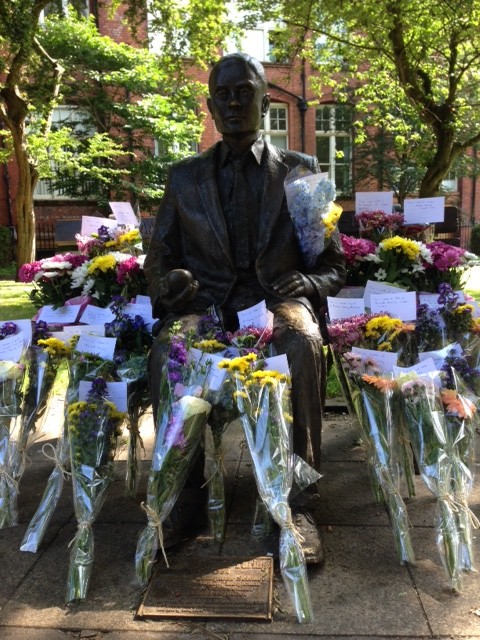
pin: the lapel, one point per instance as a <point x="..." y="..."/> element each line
<point x="205" y="178"/>
<point x="275" y="173"/>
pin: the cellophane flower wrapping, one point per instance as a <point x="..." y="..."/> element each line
<point x="134" y="372"/>
<point x="182" y="418"/>
<point x="314" y="214"/>
<point x="60" y="453"/>
<point x="442" y="425"/>
<point x="374" y="399"/>
<point x="264" y="405"/>
<point x="11" y="380"/>
<point x="93" y="427"/>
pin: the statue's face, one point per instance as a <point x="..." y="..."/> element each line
<point x="237" y="99"/>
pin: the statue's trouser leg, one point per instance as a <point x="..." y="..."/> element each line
<point x="298" y="336"/>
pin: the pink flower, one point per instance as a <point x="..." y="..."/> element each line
<point x="445" y="256"/>
<point x="356" y="248"/>
<point x="127" y="269"/>
<point x="27" y="272"/>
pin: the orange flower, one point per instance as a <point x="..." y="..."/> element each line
<point x="383" y="384"/>
<point x="458" y="405"/>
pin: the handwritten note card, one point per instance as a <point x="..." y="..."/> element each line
<point x="97" y="345"/>
<point x="339" y="308"/>
<point x="385" y="360"/>
<point x="424" y="210"/>
<point x="374" y="201"/>
<point x="96" y="315"/>
<point x="142" y="310"/>
<point x="216" y="376"/>
<point x="117" y="393"/>
<point x="257" y="316"/>
<point x="12" y="347"/>
<point x="278" y="363"/>
<point x="91" y="224"/>
<point x="426" y="366"/>
<point x="25" y="326"/>
<point x="401" y="305"/>
<point x="124" y="213"/>
<point x="373" y="287"/>
<point x="63" y="315"/>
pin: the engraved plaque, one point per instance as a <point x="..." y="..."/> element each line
<point x="211" y="588"/>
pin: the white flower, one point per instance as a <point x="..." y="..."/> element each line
<point x="425" y="253"/>
<point x="10" y="370"/>
<point x="50" y="264"/>
<point x="38" y="276"/>
<point x="192" y="406"/>
<point x="79" y="275"/>
<point x="141" y="260"/>
<point x="89" y="284"/>
<point x="381" y="274"/>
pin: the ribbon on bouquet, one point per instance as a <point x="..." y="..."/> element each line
<point x="155" y="522"/>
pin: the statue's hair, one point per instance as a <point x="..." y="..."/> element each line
<point x="251" y="62"/>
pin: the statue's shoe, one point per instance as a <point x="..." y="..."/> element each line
<point x="310" y="537"/>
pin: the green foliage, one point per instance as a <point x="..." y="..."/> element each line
<point x="6" y="246"/>
<point x="475" y="240"/>
<point x="408" y="66"/>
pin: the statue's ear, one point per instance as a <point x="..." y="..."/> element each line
<point x="265" y="103"/>
<point x="210" y="106"/>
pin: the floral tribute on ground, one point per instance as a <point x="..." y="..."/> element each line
<point x="411" y="375"/>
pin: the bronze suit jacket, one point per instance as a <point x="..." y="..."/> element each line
<point x="190" y="232"/>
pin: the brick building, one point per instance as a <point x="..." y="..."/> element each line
<point x="296" y="120"/>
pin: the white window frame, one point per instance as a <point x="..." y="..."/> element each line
<point x="333" y="134"/>
<point x="61" y="113"/>
<point x="268" y="131"/>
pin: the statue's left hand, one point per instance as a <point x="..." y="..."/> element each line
<point x="293" y="284"/>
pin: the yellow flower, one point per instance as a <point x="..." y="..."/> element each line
<point x="240" y="394"/>
<point x="398" y="244"/>
<point x="381" y="325"/>
<point x="210" y="346"/>
<point x="129" y="236"/>
<point x="288" y="417"/>
<point x="55" y="347"/>
<point x="102" y="263"/>
<point x="464" y="308"/>
<point x="331" y="219"/>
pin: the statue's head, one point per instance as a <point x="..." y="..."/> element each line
<point x="238" y="95"/>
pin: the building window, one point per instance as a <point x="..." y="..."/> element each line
<point x="450" y="182"/>
<point x="275" y="125"/>
<point x="334" y="144"/>
<point x="78" y="122"/>
<point x="260" y="43"/>
<point x="61" y="7"/>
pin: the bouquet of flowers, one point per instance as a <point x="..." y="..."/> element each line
<point x="52" y="279"/>
<point x="378" y="225"/>
<point x="310" y="203"/>
<point x="263" y="402"/>
<point x="93" y="427"/>
<point x="448" y="265"/>
<point x="373" y="396"/>
<point x="183" y="413"/>
<point x="134" y="372"/>
<point x="361" y="259"/>
<point x="11" y="379"/>
<point x="56" y="378"/>
<point x="441" y="423"/>
<point x="108" y="239"/>
<point x="402" y="261"/>
<point x="110" y="274"/>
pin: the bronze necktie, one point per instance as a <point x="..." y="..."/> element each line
<point x="240" y="208"/>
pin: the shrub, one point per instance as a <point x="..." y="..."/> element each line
<point x="6" y="246"/>
<point x="475" y="240"/>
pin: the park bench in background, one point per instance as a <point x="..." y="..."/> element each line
<point x="65" y="231"/>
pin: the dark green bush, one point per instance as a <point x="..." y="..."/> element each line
<point x="6" y="247"/>
<point x="475" y="240"/>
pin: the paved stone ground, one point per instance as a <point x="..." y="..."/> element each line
<point x="362" y="591"/>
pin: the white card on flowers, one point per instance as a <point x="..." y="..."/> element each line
<point x="124" y="213"/>
<point x="385" y="360"/>
<point x="424" y="210"/>
<point x="340" y="308"/>
<point x="96" y="345"/>
<point x="374" y="201"/>
<point x="401" y="305"/>
<point x="63" y="315"/>
<point x="96" y="315"/>
<point x="12" y="347"/>
<point x="257" y="316"/>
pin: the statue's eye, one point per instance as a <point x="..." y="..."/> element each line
<point x="221" y="94"/>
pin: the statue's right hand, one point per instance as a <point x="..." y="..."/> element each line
<point x="178" y="287"/>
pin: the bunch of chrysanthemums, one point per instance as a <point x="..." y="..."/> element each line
<point x="411" y="264"/>
<point x="108" y="263"/>
<point x="418" y="383"/>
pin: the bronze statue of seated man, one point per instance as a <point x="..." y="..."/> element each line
<point x="233" y="237"/>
